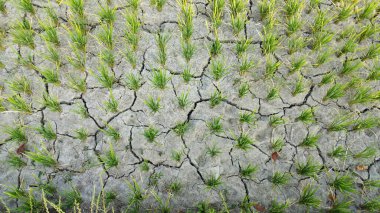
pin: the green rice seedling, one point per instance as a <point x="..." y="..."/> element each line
<point x="275" y="121"/>
<point x="15" y="161"/>
<point x="187" y="75"/>
<point x="81" y="134"/>
<point x="159" y="4"/>
<point x="344" y="183"/>
<point x="78" y="60"/>
<point x="368" y="152"/>
<point x="110" y="159"/>
<point x="341" y="206"/>
<point x="323" y="57"/>
<point x="338" y="152"/>
<point x="131" y="58"/>
<point x="107" y="14"/>
<point x="76" y="7"/>
<point x="364" y="95"/>
<point x="52" y="55"/>
<point x="216" y="98"/>
<point x="368" y="11"/>
<point x="327" y="79"/>
<point x="160" y="78"/>
<point x="245" y="65"/>
<point x="15" y="133"/>
<point x="151" y="134"/>
<point x="177" y="155"/>
<point x="52" y="15"/>
<point x="374" y="74"/>
<point x="107" y="56"/>
<point x="293" y="7"/>
<point x="47" y="132"/>
<point x="296" y="44"/>
<point x="279" y="178"/>
<point x="111" y="105"/>
<point x="2" y="107"/>
<point x="349" y="46"/>
<point x="216" y="47"/>
<point x="217" y="12"/>
<point x="366" y="123"/>
<point x="270" y="22"/>
<point x="15" y="192"/>
<point x="18" y="103"/>
<point x="243" y="142"/>
<point x="133" y="81"/>
<point x="82" y="111"/>
<point x="181" y="128"/>
<point x="308" y="197"/>
<point x="78" y="37"/>
<point x="183" y="100"/>
<point x="274" y="93"/>
<point x="105" y="36"/>
<point x="50" y="102"/>
<point x="145" y="166"/>
<point x="162" y="42"/>
<point x="367" y="31"/>
<point x="277" y="145"/>
<point x="43" y="157"/>
<point x="23" y="34"/>
<point x="3" y="8"/>
<point x="248" y="171"/>
<point x="154" y="178"/>
<point x="310" y="141"/>
<point x="50" y="33"/>
<point x="175" y="187"/>
<point x="238" y="23"/>
<point x="218" y="69"/>
<point x="237" y="6"/>
<point x="242" y="46"/>
<point x="185" y="20"/>
<point x="20" y="84"/>
<point x="50" y="76"/>
<point x="350" y="66"/>
<point x="345" y="12"/>
<point x="133" y="27"/>
<point x="266" y="8"/>
<point x="213" y="150"/>
<point x="321" y="39"/>
<point x="243" y="90"/>
<point x="293" y="24"/>
<point x="276" y="207"/>
<point x="271" y="68"/>
<point x="188" y="50"/>
<point x="341" y="123"/>
<point x="26" y="6"/>
<point x="297" y="65"/>
<point x="372" y="205"/>
<point x="134" y="4"/>
<point x="136" y="197"/>
<point x="214" y="125"/>
<point x="307" y="116"/>
<point x="310" y="168"/>
<point x="76" y="83"/>
<point x="73" y="197"/>
<point x="320" y="21"/>
<point x="105" y="76"/>
<point x="247" y="117"/>
<point x="372" y="52"/>
<point x="163" y="205"/>
<point x="213" y="182"/>
<point x="112" y="133"/>
<point x="153" y="104"/>
<point x="335" y="92"/>
<point x="270" y="42"/>
<point x="371" y="183"/>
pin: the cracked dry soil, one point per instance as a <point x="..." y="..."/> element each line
<point x="226" y="148"/>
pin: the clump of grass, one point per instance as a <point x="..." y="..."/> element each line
<point x="187" y="75"/>
<point x="51" y="103"/>
<point x="177" y="155"/>
<point x="245" y="65"/>
<point x="77" y="60"/>
<point x="345" y="12"/>
<point x="368" y="152"/>
<point x="104" y="76"/>
<point x="185" y="20"/>
<point x="349" y="67"/>
<point x="350" y="46"/>
<point x="50" y="34"/>
<point x="160" y="78"/>
<point x="3" y="8"/>
<point x="216" y="98"/>
<point x="321" y="39"/>
<point x="266" y="8"/>
<point x="18" y="103"/>
<point x="181" y="128"/>
<point x="218" y="69"/>
<point x="248" y="171"/>
<point x="214" y="125"/>
<point x="15" y="161"/>
<point x="366" y="123"/>
<point x="111" y="105"/>
<point x="217" y="12"/>
<point x="52" y="55"/>
<point x="111" y="132"/>
<point x="151" y="134"/>
<point x="277" y="207"/>
<point x="238" y="22"/>
<point x="82" y="111"/>
<point x="108" y="57"/>
<point x="105" y="36"/>
<point x="299" y="87"/>
<point x="374" y="74"/>
<point x="50" y="76"/>
<point x="341" y="206"/>
<point x="162" y="41"/>
<point x="247" y="117"/>
<point x="133" y="81"/>
<point x="297" y="65"/>
<point x="20" y="84"/>
<point x="341" y="123"/>
<point x="271" y="68"/>
<point x="159" y="4"/>
<point x="296" y="44"/>
<point x="279" y="178"/>
<point x="368" y="11"/>
<point x="367" y="31"/>
<point x="43" y="157"/>
<point x="81" y="134"/>
<point x="275" y="121"/>
<point x="15" y="133"/>
<point x="243" y="141"/>
<point x="372" y="52"/>
<point x="213" y="182"/>
<point x="270" y="42"/>
<point x="213" y="150"/>
<point x="308" y="197"/>
<point x="78" y="37"/>
<point x="372" y="205"/>
<point x="26" y="6"/>
<point x="133" y="28"/>
<point x="76" y="83"/>
<point x="364" y="95"/>
<point x="344" y="183"/>
<point x="293" y="24"/>
<point x="153" y="104"/>
<point x="335" y="92"/>
<point x="71" y="198"/>
<point x="107" y="14"/>
<point x="188" y="50"/>
<point x="110" y="159"/>
<point x="307" y="116"/>
<point x="23" y="34"/>
<point x="277" y="145"/>
<point x="216" y="47"/>
<point x="320" y="21"/>
<point x="310" y="168"/>
<point x="242" y="46"/>
<point x="338" y="152"/>
<point x="310" y="141"/>
<point x="47" y="132"/>
<point x="183" y="100"/>
<point x="328" y="78"/>
<point x="274" y="93"/>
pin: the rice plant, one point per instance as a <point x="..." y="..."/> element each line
<point x="243" y="141"/>
<point x="372" y="205"/>
<point x="372" y="52"/>
<point x="277" y="207"/>
<point x="23" y="34"/>
<point x="307" y="116"/>
<point x="26" y="6"/>
<point x="310" y="168"/>
<point x="364" y="95"/>
<point x="176" y="155"/>
<point x="50" y="34"/>
<point x="51" y="102"/>
<point x="248" y="171"/>
<point x="242" y="46"/>
<point x="273" y="93"/>
<point x="341" y="123"/>
<point x="18" y="103"/>
<point x="350" y="46"/>
<point x="15" y="133"/>
<point x="213" y="182"/>
<point x="160" y="78"/>
<point x="216" y="47"/>
<point x="188" y="50"/>
<point x="366" y="123"/>
<point x="77" y="60"/>
<point x="368" y="11"/>
<point x="213" y="150"/>
<point x="367" y="31"/>
<point x="245" y="65"/>
<point x="293" y="7"/>
<point x="53" y="55"/>
<point x="47" y="132"/>
<point x="323" y="57"/>
<point x="183" y="100"/>
<point x="187" y="75"/>
<point x="78" y="37"/>
<point x="338" y="152"/>
<point x="107" y="14"/>
<point x="107" y="56"/>
<point x="310" y="141"/>
<point x="105" y="76"/>
<point x="296" y="44"/>
<point x="321" y="39"/>
<point x="111" y="105"/>
<point x="271" y="68"/>
<point x="345" y="12"/>
<point x="270" y="42"/>
<point x="374" y="73"/>
<point x="42" y="156"/>
<point x="15" y="161"/>
<point x="275" y="121"/>
<point x="159" y="4"/>
<point x="335" y="92"/>
<point x="111" y="132"/>
<point x="110" y="159"/>
<point x="344" y="183"/>
<point x="20" y="84"/>
<point x="293" y="25"/>
<point x="153" y="104"/>
<point x="368" y="152"/>
<point x="76" y="83"/>
<point x="266" y="8"/>
<point x="81" y="134"/>
<point x="133" y="81"/>
<point x="309" y="198"/>
<point x="341" y="206"/>
<point x="277" y="145"/>
<point x="217" y="12"/>
<point x="238" y="23"/>
<point x="52" y="15"/>
<point x="162" y="42"/>
<point x="82" y="111"/>
<point x="247" y="117"/>
<point x="185" y="20"/>
<point x="215" y="126"/>
<point x="134" y="4"/>
<point x="279" y="178"/>
<point x="299" y="87"/>
<point x="133" y="27"/>
<point x="320" y="21"/>
<point x="105" y="36"/>
<point x="3" y="8"/>
<point x="72" y="197"/>
<point x="218" y="69"/>
<point x="181" y="128"/>
<point x="350" y="67"/>
<point x="216" y="98"/>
